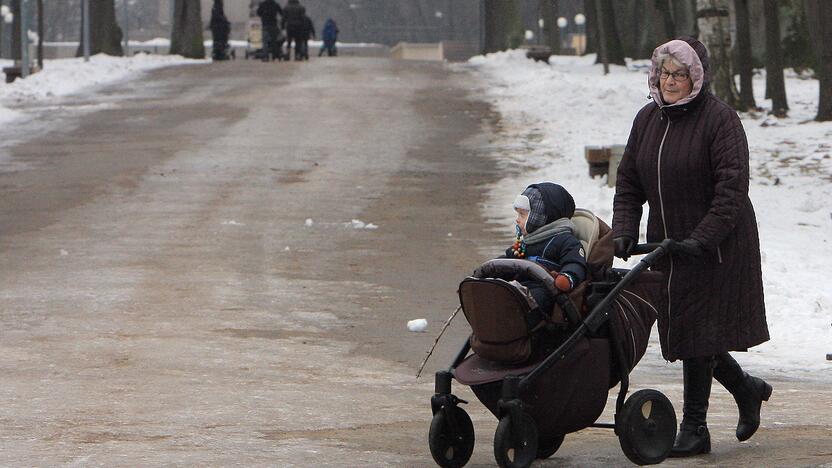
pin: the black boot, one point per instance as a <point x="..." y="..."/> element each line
<point x="693" y="437"/>
<point x="749" y="392"/>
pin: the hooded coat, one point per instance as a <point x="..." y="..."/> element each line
<point x="689" y="162"/>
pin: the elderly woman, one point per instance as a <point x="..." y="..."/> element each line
<point x="687" y="156"/>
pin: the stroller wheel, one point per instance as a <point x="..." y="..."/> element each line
<point x="515" y="447"/>
<point x="548" y="447"/>
<point x="451" y="439"/>
<point x="647" y="427"/>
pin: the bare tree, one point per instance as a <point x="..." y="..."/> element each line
<point x="684" y="18"/>
<point x="186" y="34"/>
<point x="549" y="13"/>
<point x="714" y="22"/>
<point x="610" y="48"/>
<point x="503" y="26"/>
<point x="746" y="66"/>
<point x="15" y="6"/>
<point x="775" y="84"/>
<point x="105" y="34"/>
<point x="819" y="13"/>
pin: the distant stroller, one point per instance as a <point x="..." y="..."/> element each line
<point x="545" y="379"/>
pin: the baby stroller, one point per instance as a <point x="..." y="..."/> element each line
<point x="541" y="395"/>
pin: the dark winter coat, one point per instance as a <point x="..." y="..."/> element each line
<point x="561" y="252"/>
<point x="330" y="31"/>
<point x="268" y="10"/>
<point x="293" y="16"/>
<point x="308" y="29"/>
<point x="689" y="162"/>
<point x="220" y="26"/>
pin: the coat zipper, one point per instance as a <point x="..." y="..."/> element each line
<point x="664" y="224"/>
<point x="719" y="254"/>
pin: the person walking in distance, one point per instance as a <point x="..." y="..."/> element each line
<point x="293" y="23"/>
<point x="268" y="11"/>
<point x="329" y="35"/>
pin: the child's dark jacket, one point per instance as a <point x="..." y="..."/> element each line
<point x="555" y="247"/>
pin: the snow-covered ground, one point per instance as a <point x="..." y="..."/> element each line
<point x="62" y="77"/>
<point x="550" y="112"/>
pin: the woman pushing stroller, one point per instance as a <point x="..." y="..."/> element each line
<point x="687" y="156"/>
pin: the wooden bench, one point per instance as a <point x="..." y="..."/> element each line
<point x="539" y="53"/>
<point x="15" y="72"/>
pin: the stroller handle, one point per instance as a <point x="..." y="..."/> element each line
<point x="650" y="247"/>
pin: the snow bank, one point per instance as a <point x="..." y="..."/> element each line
<point x="63" y="77"/>
<point x="550" y="112"/>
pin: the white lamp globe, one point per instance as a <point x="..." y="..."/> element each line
<point x="9" y="18"/>
<point x="562" y="22"/>
<point x="529" y="35"/>
<point x="4" y="10"/>
<point x="580" y="19"/>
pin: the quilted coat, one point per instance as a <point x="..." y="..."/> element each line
<point x="689" y="162"/>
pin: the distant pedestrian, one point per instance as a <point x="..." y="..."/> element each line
<point x="220" y="31"/>
<point x="293" y="23"/>
<point x="329" y="35"/>
<point x="268" y="11"/>
<point x="308" y="32"/>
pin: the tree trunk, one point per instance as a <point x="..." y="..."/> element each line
<point x="105" y="34"/>
<point x="186" y="34"/>
<point x="607" y="32"/>
<point x="665" y="10"/>
<point x="551" y="31"/>
<point x="819" y="14"/>
<point x="652" y="30"/>
<point x="775" y="84"/>
<point x="16" y="30"/>
<point x="684" y="15"/>
<point x="2" y="23"/>
<point x="746" y="66"/>
<point x="714" y="22"/>
<point x="590" y="27"/>
<point x="503" y="26"/>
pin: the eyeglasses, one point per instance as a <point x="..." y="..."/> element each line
<point x="677" y="76"/>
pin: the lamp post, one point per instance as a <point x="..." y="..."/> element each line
<point x="7" y="18"/>
<point x="126" y="28"/>
<point x="562" y="23"/>
<point x="540" y="24"/>
<point x="580" y="21"/>
<point x="85" y="13"/>
<point x="24" y="41"/>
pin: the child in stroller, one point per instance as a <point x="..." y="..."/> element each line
<point x="546" y="235"/>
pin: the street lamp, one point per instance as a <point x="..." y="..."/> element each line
<point x="580" y="21"/>
<point x="540" y="24"/>
<point x="562" y="23"/>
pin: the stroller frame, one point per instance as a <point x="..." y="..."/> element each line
<point x="515" y="430"/>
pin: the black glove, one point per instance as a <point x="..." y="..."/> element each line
<point x="623" y="246"/>
<point x="688" y="247"/>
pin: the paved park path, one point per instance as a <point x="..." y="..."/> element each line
<point x="164" y="300"/>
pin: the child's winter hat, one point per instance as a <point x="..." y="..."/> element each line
<point x="546" y="202"/>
